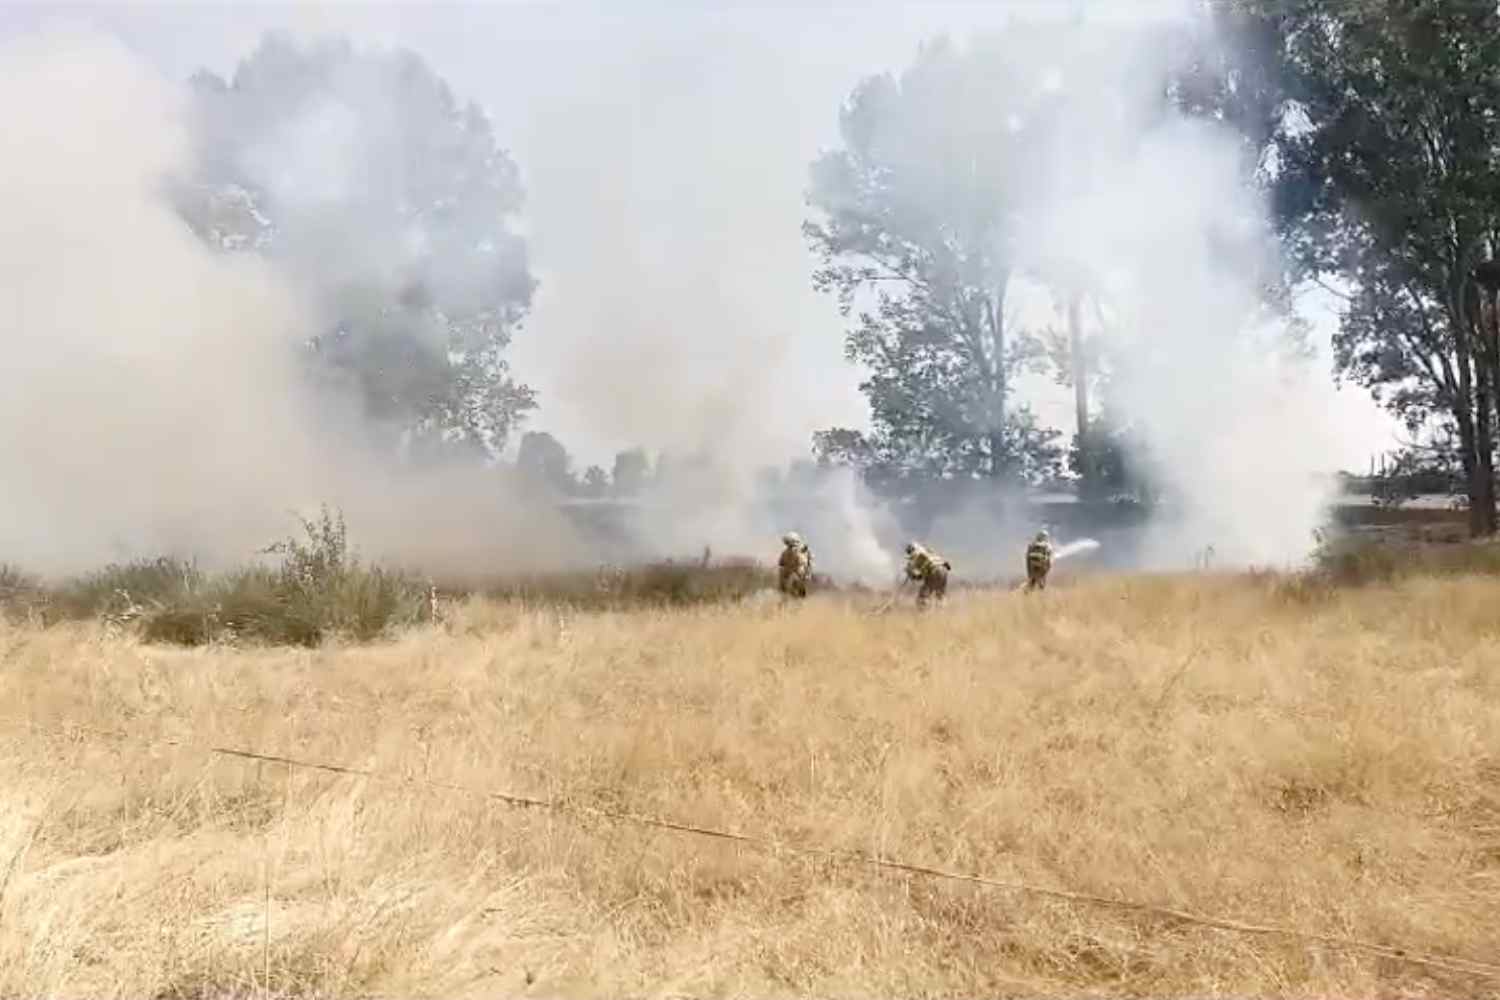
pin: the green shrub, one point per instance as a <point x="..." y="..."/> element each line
<point x="16" y="584"/>
<point x="319" y="590"/>
<point x="189" y="623"/>
<point x="320" y="562"/>
<point x="259" y="605"/>
<point x="364" y="601"/>
<point x="20" y="592"/>
<point x="120" y="588"/>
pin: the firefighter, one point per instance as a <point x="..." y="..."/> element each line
<point x="931" y="570"/>
<point x="795" y="565"/>
<point x="1038" y="561"/>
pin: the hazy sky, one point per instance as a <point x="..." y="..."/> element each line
<point x="665" y="149"/>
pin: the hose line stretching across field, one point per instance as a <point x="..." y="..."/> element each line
<point x="1397" y="954"/>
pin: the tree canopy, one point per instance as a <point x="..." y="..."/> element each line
<point x="1391" y="183"/>
<point x="391" y="204"/>
<point x="916" y="232"/>
<point x="543" y="460"/>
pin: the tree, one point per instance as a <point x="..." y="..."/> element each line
<point x="917" y="217"/>
<point x="1075" y="359"/>
<point x="543" y="459"/>
<point x="1119" y="457"/>
<point x="631" y="472"/>
<point x="1232" y="66"/>
<point x="595" y="485"/>
<point x="390" y="204"/>
<point x="1392" y="181"/>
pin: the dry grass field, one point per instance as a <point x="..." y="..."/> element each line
<point x="1321" y="759"/>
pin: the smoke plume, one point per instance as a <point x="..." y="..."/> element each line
<point x="144" y="379"/>
<point x="152" y="401"/>
<point x="1161" y="216"/>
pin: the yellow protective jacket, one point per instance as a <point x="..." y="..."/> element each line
<point x="796" y="560"/>
<point x="921" y="564"/>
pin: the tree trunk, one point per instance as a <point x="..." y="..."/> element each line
<point x="1086" y="475"/>
<point x="1476" y="348"/>
<point x="998" y="389"/>
<point x="1483" y="502"/>
<point x="1478" y="474"/>
<point x="1463" y="415"/>
<point x="996" y="446"/>
<point x="1487" y="329"/>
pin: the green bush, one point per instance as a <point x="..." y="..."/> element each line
<point x="20" y="592"/>
<point x="260" y="605"/>
<point x="248" y="604"/>
<point x="364" y="601"/>
<point x="319" y="590"/>
<point x="321" y="561"/>
<point x="16" y="584"/>
<point x="189" y="623"/>
<point x="122" y="588"/>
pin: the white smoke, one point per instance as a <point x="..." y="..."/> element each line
<point x="851" y="523"/>
<point x="151" y="401"/>
<point x="1158" y="212"/>
<point x="708" y="502"/>
<point x="136" y="364"/>
<point x="1161" y="217"/>
<point x="1231" y="417"/>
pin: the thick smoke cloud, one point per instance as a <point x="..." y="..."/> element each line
<point x="1159" y="215"/>
<point x="1228" y="410"/>
<point x="708" y="500"/>
<point x="152" y="401"/>
<point x="1154" y="216"/>
<point x="145" y="383"/>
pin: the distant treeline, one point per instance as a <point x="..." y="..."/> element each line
<point x="1419" y="483"/>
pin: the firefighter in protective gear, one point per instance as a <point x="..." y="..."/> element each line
<point x="795" y="565"/>
<point x="1038" y="561"/>
<point x="929" y="568"/>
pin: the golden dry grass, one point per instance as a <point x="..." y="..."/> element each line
<point x="1218" y="745"/>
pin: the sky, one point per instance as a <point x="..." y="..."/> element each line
<point x="664" y="147"/>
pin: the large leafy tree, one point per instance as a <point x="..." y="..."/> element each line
<point x="925" y="215"/>
<point x="595" y="483"/>
<point x="390" y="202"/>
<point x="544" y="461"/>
<point x="631" y="473"/>
<point x="1231" y="65"/>
<point x="1392" y="182"/>
<point x="915" y="229"/>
